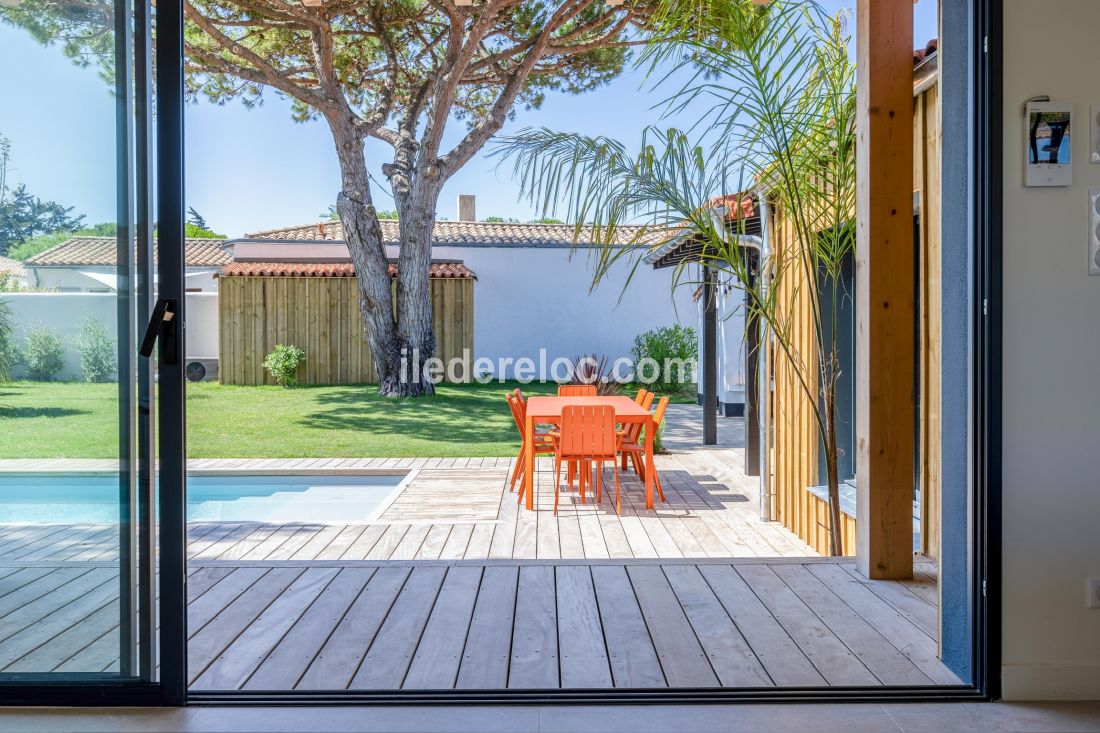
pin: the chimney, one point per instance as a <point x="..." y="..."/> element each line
<point x="467" y="207"/>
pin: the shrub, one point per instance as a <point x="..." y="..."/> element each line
<point x="97" y="350"/>
<point x="7" y="341"/>
<point x="43" y="355"/>
<point x="594" y="370"/>
<point x="283" y="362"/>
<point x="668" y="347"/>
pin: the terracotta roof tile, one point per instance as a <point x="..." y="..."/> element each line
<point x="458" y="233"/>
<point x="101" y="251"/>
<point x="437" y="270"/>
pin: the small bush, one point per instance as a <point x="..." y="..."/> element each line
<point x="43" y="355"/>
<point x="283" y="363"/>
<point x="97" y="350"/>
<point x="593" y="369"/>
<point x="7" y="341"/>
<point x="674" y="350"/>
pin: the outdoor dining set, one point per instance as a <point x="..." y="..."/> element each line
<point x="585" y="430"/>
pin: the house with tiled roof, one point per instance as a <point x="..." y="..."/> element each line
<point x="532" y="283"/>
<point x="14" y="271"/>
<point x="90" y="264"/>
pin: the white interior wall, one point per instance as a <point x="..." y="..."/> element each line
<point x="1051" y="359"/>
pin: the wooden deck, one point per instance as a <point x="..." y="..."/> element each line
<point x="491" y="625"/>
<point x="462" y="509"/>
<point x="453" y="586"/>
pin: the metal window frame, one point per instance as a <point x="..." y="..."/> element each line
<point x="171" y="690"/>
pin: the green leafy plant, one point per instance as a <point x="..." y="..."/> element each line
<point x="778" y="89"/>
<point x="283" y="362"/>
<point x="674" y="350"/>
<point x="43" y="355"/>
<point x="592" y="369"/>
<point x="97" y="350"/>
<point x="7" y="341"/>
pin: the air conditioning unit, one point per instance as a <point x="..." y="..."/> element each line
<point x="201" y="369"/>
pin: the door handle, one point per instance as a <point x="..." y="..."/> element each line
<point x="162" y="326"/>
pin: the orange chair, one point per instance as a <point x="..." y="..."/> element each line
<point x="631" y="432"/>
<point x="576" y="390"/>
<point x="544" y="440"/>
<point x="588" y="436"/>
<point x="636" y="449"/>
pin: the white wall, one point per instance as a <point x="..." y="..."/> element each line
<point x="1051" y="362"/>
<point x="538" y="297"/>
<point x="63" y="312"/>
<point x="731" y="340"/>
<point x="73" y="278"/>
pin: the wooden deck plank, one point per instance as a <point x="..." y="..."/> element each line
<point x="900" y="598"/>
<point x="392" y="651"/>
<point x="207" y="644"/>
<point x="287" y="662"/>
<point x="439" y="654"/>
<point x="872" y="649"/>
<point x="534" y="658"/>
<point x="343" y="651"/>
<point x="634" y="661"/>
<point x="236" y="663"/>
<point x="36" y="628"/>
<point x="784" y="661"/>
<point x="898" y="630"/>
<point x="457" y="542"/>
<point x="582" y="650"/>
<point x="731" y="657"/>
<point x="682" y="657"/>
<point x="486" y="656"/>
<point x="204" y="608"/>
<point x="830" y="656"/>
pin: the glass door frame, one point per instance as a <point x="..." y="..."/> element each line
<point x="151" y="408"/>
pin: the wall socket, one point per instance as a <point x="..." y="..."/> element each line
<point x="1094" y="232"/>
<point x="1092" y="587"/>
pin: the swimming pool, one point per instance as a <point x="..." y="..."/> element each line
<point x="75" y="498"/>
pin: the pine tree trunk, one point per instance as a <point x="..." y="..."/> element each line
<point x="400" y="342"/>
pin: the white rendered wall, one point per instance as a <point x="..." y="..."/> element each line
<point x="532" y="298"/>
<point x="63" y="313"/>
<point x="73" y="278"/>
<point x="1051" y="362"/>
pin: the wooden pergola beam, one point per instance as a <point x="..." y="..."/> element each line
<point x="885" y="287"/>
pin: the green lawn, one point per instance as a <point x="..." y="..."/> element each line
<point x="77" y="420"/>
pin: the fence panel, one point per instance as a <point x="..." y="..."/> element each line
<point x="321" y="316"/>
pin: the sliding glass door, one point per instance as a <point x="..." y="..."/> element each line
<point x="78" y="374"/>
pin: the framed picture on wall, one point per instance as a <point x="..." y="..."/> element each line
<point x="1049" y="162"/>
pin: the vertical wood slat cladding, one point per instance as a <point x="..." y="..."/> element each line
<point x="321" y="316"/>
<point x="795" y="439"/>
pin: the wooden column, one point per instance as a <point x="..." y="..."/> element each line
<point x="885" y="288"/>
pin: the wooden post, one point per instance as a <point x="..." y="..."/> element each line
<point x="885" y="288"/>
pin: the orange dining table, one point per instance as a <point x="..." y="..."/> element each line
<point x="547" y="410"/>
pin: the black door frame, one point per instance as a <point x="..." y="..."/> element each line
<point x="171" y="690"/>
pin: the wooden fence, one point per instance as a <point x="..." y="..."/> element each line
<point x="321" y="316"/>
<point x="795" y="441"/>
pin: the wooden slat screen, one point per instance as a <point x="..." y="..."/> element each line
<point x="795" y="439"/>
<point x="321" y="316"/>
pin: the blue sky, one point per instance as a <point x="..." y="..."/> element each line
<point x="255" y="169"/>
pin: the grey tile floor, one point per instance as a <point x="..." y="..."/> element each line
<point x="836" y="718"/>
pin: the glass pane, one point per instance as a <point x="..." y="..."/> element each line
<point x="69" y="600"/>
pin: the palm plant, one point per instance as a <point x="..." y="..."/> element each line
<point x="778" y="90"/>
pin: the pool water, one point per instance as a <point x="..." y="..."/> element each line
<point x="85" y="498"/>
